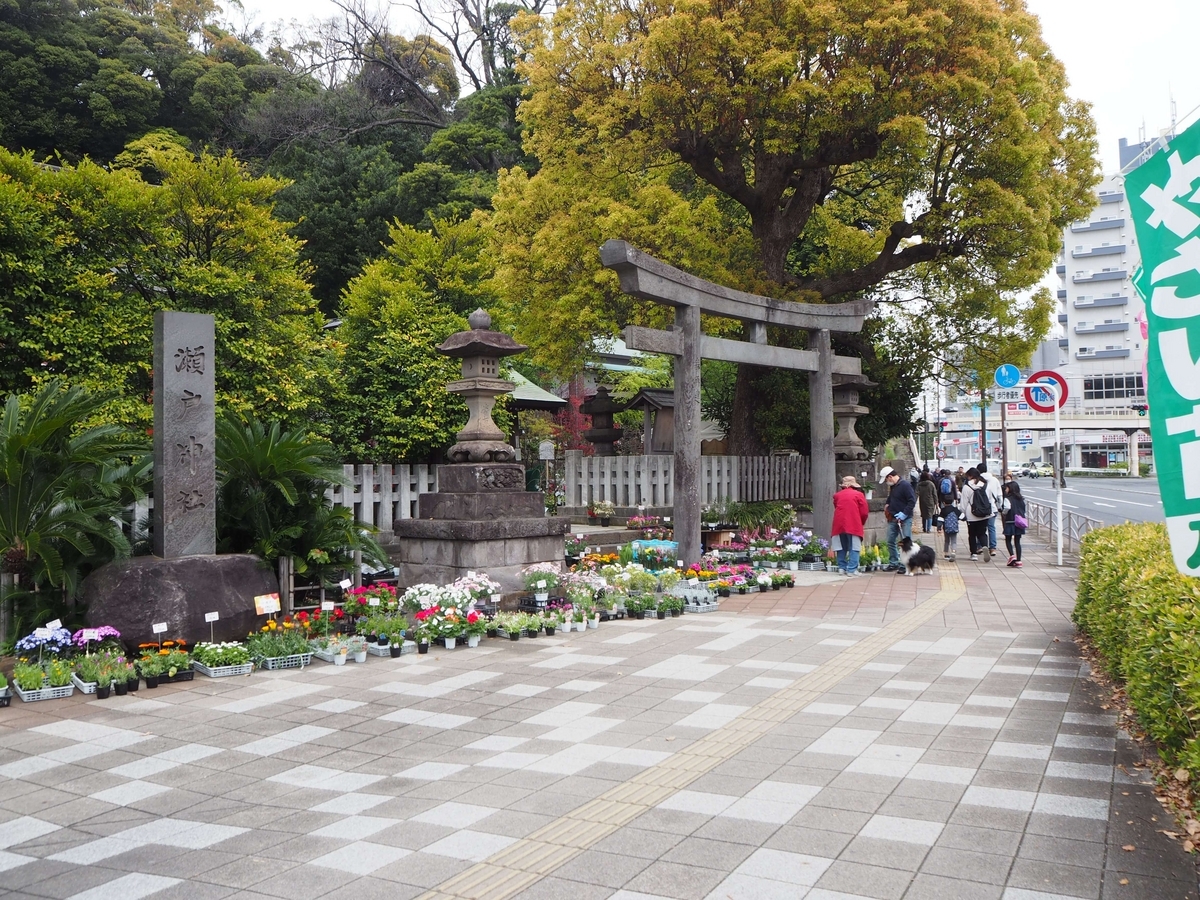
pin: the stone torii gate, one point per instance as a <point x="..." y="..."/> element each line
<point x="645" y="277"/>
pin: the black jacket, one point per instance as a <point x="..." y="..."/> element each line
<point x="902" y="498"/>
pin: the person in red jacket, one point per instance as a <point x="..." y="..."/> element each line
<point x="850" y="513"/>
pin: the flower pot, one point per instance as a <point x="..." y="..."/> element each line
<point x="151" y="681"/>
<point x="360" y="656"/>
<point x="604" y="520"/>
<point x="339" y="659"/>
<point x="675" y="613"/>
<point x="133" y="685"/>
<point x="103" y="691"/>
<point x="774" y="587"/>
<point x="581" y="626"/>
<point x="372" y="638"/>
<point x="741" y="590"/>
<point x="514" y="635"/>
<point x="793" y="564"/>
<point x="383" y="640"/>
<point x="722" y="592"/>
<point x="532" y="632"/>
<point x="395" y="651"/>
<point x="423" y="647"/>
<point x="472" y="640"/>
<point x="549" y="631"/>
<point x="120" y="688"/>
<point x="451" y="642"/>
<point x="640" y="614"/>
<point x="662" y="613"/>
<point x="541" y="598"/>
<point x="493" y="632"/>
<point x="594" y="622"/>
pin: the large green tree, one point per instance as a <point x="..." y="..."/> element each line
<point x="847" y="142"/>
<point x="395" y="406"/>
<point x="98" y="251"/>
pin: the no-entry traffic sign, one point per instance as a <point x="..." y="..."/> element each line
<point x="1042" y="401"/>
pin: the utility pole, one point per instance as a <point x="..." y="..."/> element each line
<point x="983" y="454"/>
<point x="1003" y="439"/>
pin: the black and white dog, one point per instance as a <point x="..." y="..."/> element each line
<point x="917" y="560"/>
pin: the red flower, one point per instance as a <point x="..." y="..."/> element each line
<point x="472" y="617"/>
<point x="337" y="612"/>
<point x="302" y="616"/>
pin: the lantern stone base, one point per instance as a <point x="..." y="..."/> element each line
<point x="439" y="551"/>
<point x="481" y="520"/>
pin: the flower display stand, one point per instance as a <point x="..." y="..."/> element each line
<point x="87" y="687"/>
<point x="5" y="698"/>
<point x="386" y="650"/>
<point x="223" y="671"/>
<point x="294" y="661"/>
<point x="328" y="655"/>
<point x="181" y="675"/>
<point x="44" y="693"/>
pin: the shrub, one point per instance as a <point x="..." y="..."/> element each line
<point x="1144" y="617"/>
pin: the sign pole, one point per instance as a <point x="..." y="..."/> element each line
<point x="1058" y="484"/>
<point x="1003" y="439"/>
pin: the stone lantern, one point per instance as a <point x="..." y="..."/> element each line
<point x="480" y="350"/>
<point x="848" y="449"/>
<point x="602" y="434"/>
<point x="481" y="518"/>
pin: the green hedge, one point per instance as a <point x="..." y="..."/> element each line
<point x="1144" y="617"/>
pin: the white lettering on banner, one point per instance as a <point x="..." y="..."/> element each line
<point x="1183" y="371"/>
<point x="1187" y="260"/>
<point x="1184" y="424"/>
<point x="1161" y="200"/>
<point x="1165" y="302"/>
<point x="1189" y="455"/>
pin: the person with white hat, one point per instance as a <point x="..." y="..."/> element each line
<point x="898" y="511"/>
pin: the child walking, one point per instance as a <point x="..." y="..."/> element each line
<point x="950" y="530"/>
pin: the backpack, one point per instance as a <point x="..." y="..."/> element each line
<point x="947" y="487"/>
<point x="981" y="504"/>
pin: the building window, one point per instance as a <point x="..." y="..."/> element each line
<point x="1113" y="387"/>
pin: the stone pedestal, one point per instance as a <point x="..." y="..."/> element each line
<point x="481" y="519"/>
<point x="133" y="594"/>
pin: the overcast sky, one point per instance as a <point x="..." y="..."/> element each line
<point x="1127" y="59"/>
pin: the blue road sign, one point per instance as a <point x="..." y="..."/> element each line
<point x="1008" y="376"/>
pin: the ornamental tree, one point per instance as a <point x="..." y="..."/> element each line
<point x="846" y="141"/>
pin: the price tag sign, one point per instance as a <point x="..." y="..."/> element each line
<point x="43" y="632"/>
<point x="372" y="601"/>
<point x="265" y="604"/>
<point x="345" y="584"/>
<point x="212" y="616"/>
<point x="779" y="543"/>
<point x="326" y="606"/>
<point x="666" y="518"/>
<point x="679" y="563"/>
<point x="694" y="582"/>
<point x="541" y="584"/>
<point x="91" y="634"/>
<point x="57" y="623"/>
<point x="495" y="598"/>
<point x="159" y="627"/>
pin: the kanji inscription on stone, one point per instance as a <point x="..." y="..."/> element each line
<point x="185" y="479"/>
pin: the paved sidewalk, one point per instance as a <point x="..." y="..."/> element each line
<point x="880" y="737"/>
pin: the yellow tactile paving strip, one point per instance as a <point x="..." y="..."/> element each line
<point x="520" y="865"/>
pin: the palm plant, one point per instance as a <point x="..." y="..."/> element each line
<point x="271" y="499"/>
<point x="63" y="488"/>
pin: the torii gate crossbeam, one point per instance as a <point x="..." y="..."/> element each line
<point x="645" y="277"/>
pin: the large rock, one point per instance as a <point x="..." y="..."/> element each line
<point x="133" y="594"/>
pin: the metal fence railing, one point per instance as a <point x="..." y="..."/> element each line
<point x="1042" y="517"/>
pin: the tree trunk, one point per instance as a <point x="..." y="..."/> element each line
<point x="743" y="437"/>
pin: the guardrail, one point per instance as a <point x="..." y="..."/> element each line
<point x="1041" y="516"/>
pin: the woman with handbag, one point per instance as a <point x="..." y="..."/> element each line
<point x="1015" y="522"/>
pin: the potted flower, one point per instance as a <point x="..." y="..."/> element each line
<point x="475" y="626"/>
<point x="5" y="693"/>
<point x="603" y="510"/>
<point x="508" y="625"/>
<point x="152" y="668"/>
<point x="540" y="579"/>
<point x="397" y="645"/>
<point x="550" y="621"/>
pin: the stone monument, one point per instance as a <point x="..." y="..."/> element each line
<point x="481" y="518"/>
<point x="185" y="433"/>
<point x="848" y="448"/>
<point x="185" y="579"/>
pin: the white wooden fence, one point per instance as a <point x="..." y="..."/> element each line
<point x="633" y="481"/>
<point x="379" y="495"/>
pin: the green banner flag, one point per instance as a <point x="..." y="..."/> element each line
<point x="1164" y="199"/>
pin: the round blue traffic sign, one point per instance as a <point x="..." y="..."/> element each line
<point x="1008" y="376"/>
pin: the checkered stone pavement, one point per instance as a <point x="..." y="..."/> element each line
<point x="720" y="756"/>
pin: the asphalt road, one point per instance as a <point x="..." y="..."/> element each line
<point x="1109" y="500"/>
